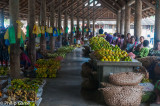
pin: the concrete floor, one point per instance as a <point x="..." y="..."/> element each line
<point x="65" y="90"/>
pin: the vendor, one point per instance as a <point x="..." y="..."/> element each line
<point x="131" y="45"/>
<point x="24" y="59"/>
<point x="156" y="51"/>
<point x="145" y="50"/>
<point x="139" y="46"/>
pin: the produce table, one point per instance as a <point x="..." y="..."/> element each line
<point x="104" y="69"/>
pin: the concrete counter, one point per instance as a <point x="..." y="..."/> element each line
<point x="104" y="69"/>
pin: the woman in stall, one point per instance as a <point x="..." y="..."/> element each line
<point x="139" y="46"/>
<point x="24" y="59"/>
<point x="156" y="51"/>
<point x="132" y="45"/>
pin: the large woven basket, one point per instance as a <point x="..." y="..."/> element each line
<point x="147" y="61"/>
<point x="126" y="78"/>
<point x="122" y="96"/>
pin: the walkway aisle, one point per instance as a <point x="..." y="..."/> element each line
<point x="65" y="89"/>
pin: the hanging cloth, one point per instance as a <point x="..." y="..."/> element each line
<point x="43" y="29"/>
<point x="12" y="37"/>
<point x="27" y="33"/>
<point x="6" y="36"/>
<point x="66" y="31"/>
<point x="55" y="32"/>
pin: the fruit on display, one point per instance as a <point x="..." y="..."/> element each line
<point x="23" y="90"/>
<point x="97" y="43"/>
<point x="3" y="71"/>
<point x="47" y="68"/>
<point x="61" y="52"/>
<point x="105" y="52"/>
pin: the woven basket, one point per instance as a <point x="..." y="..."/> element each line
<point x="147" y="61"/>
<point x="122" y="96"/>
<point x="126" y="79"/>
<point x="104" y="84"/>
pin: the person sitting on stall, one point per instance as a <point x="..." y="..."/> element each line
<point x="156" y="51"/>
<point x="131" y="45"/>
<point x="24" y="59"/>
<point x="145" y="50"/>
<point x="139" y="46"/>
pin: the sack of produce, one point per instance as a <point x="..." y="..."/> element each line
<point x="126" y="78"/>
<point x="94" y="74"/>
<point x="86" y="70"/>
<point x="89" y="84"/>
<point x="143" y="71"/>
<point x="122" y="96"/>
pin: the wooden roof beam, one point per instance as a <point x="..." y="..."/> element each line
<point x="78" y="7"/>
<point x="101" y="15"/>
<point x="109" y="7"/>
<point x="92" y="12"/>
<point x="87" y="8"/>
<point x="70" y="5"/>
<point x="149" y="4"/>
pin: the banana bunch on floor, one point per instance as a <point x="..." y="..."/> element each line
<point x="48" y="68"/>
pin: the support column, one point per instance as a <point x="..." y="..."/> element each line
<point x="72" y="25"/>
<point x="127" y="19"/>
<point x="66" y="25"/>
<point x="138" y="19"/>
<point x="48" y="21"/>
<point x="118" y="21"/>
<point x="52" y="20"/>
<point x="43" y="23"/>
<point x="157" y="24"/>
<point x="57" y="22"/>
<point x="77" y="21"/>
<point x="2" y="17"/>
<point x="93" y="17"/>
<point x="88" y="20"/>
<point x="122" y="21"/>
<point x="31" y="22"/>
<point x="15" y="51"/>
<point x="60" y="22"/>
<point x="83" y="21"/>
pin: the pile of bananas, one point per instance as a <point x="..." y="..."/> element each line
<point x="23" y="90"/>
<point x="47" y="68"/>
<point x="3" y="71"/>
